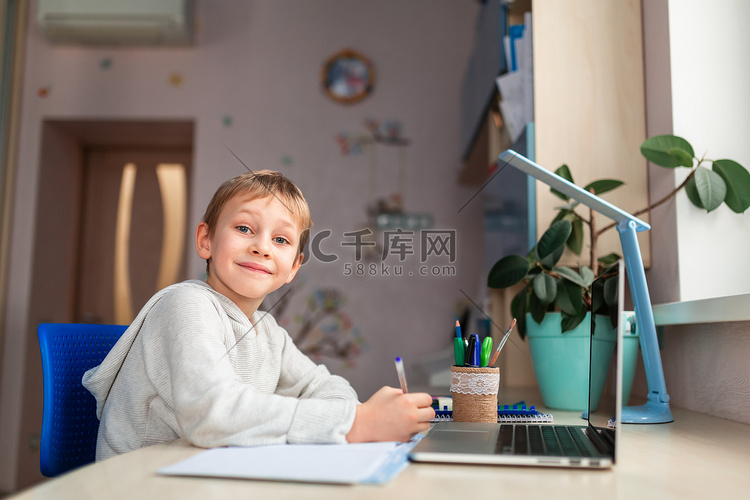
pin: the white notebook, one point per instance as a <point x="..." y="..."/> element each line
<point x="321" y="463"/>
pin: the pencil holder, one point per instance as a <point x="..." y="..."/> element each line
<point x="474" y="392"/>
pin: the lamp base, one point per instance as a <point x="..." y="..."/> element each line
<point x="650" y="413"/>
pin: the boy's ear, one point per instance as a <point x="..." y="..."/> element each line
<point x="295" y="267"/>
<point x="203" y="241"/>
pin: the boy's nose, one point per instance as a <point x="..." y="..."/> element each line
<point x="259" y="247"/>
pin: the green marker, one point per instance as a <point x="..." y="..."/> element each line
<point x="486" y="350"/>
<point x="458" y="351"/>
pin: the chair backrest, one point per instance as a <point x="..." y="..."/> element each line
<point x="69" y="423"/>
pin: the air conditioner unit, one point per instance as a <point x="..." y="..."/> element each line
<point x="117" y="22"/>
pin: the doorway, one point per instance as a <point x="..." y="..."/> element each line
<point x="133" y="230"/>
<point x="101" y="183"/>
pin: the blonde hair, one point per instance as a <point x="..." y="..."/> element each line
<point x="259" y="184"/>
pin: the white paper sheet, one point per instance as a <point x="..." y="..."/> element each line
<point x="345" y="463"/>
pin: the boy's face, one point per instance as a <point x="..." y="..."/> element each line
<point x="253" y="250"/>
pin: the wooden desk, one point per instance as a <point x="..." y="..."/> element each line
<point x="695" y="457"/>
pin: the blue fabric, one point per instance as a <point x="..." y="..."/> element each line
<point x="69" y="423"/>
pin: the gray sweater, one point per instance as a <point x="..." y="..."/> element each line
<point x="192" y="365"/>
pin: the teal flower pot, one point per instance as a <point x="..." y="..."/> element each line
<point x="561" y="360"/>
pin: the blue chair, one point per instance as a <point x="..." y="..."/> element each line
<point x="69" y="423"/>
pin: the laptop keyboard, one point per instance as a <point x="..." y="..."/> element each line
<point x="540" y="440"/>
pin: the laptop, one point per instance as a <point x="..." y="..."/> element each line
<point x="580" y="446"/>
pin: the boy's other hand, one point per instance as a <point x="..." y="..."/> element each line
<point x="391" y="415"/>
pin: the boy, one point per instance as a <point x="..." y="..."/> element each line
<point x="201" y="362"/>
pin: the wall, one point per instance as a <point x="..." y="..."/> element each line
<point x="251" y="84"/>
<point x="709" y="79"/>
<point x="589" y="108"/>
<point x="663" y="277"/>
<point x="706" y="368"/>
<point x="695" y="88"/>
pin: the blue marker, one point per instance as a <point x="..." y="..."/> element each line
<point x="477" y="352"/>
<point x="458" y="329"/>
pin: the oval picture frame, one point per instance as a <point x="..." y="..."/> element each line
<point x="348" y="76"/>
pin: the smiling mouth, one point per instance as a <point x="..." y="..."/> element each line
<point x="255" y="267"/>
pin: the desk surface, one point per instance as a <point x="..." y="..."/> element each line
<point x="697" y="456"/>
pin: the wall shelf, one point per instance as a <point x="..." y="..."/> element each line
<point x="713" y="310"/>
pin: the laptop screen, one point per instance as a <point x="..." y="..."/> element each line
<point x="605" y="375"/>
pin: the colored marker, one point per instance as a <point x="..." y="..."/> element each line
<point x="471" y="356"/>
<point x="458" y="351"/>
<point x="401" y="374"/>
<point x="486" y="350"/>
<point x="468" y="351"/>
<point x="458" y="329"/>
<point x="502" y="343"/>
<point x="477" y="351"/>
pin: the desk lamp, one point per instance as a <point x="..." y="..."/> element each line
<point x="656" y="410"/>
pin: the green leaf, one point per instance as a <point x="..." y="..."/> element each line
<point x="551" y="260"/>
<point x="553" y="238"/>
<point x="711" y="188"/>
<point x="531" y="257"/>
<point x="575" y="240"/>
<point x="570" y="321"/>
<point x="566" y="214"/>
<point x="560" y="215"/>
<point x="587" y="275"/>
<point x="569" y="297"/>
<point x="683" y="157"/>
<point x="564" y="172"/>
<point x="597" y="298"/>
<point x="737" y="180"/>
<point x="507" y="271"/>
<point x="570" y="275"/>
<point x="609" y="259"/>
<point x="603" y="185"/>
<point x="613" y="320"/>
<point x="545" y="288"/>
<point x="668" y="151"/>
<point x="692" y="193"/>
<point x="610" y="291"/>
<point x="571" y="216"/>
<point x="518" y="310"/>
<point x="568" y="207"/>
<point x="537" y="308"/>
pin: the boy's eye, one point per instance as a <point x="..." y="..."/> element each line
<point x="280" y="240"/>
<point x="244" y="229"/>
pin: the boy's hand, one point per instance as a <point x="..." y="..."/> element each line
<point x="391" y="415"/>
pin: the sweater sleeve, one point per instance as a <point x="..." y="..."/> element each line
<point x="314" y="386"/>
<point x="201" y="382"/>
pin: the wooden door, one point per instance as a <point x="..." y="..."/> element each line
<point x="133" y="236"/>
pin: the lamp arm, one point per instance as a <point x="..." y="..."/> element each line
<point x="644" y="314"/>
<point x="656" y="409"/>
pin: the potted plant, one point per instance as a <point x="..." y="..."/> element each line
<point x="559" y="297"/>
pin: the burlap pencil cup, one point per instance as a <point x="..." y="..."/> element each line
<point x="474" y="393"/>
